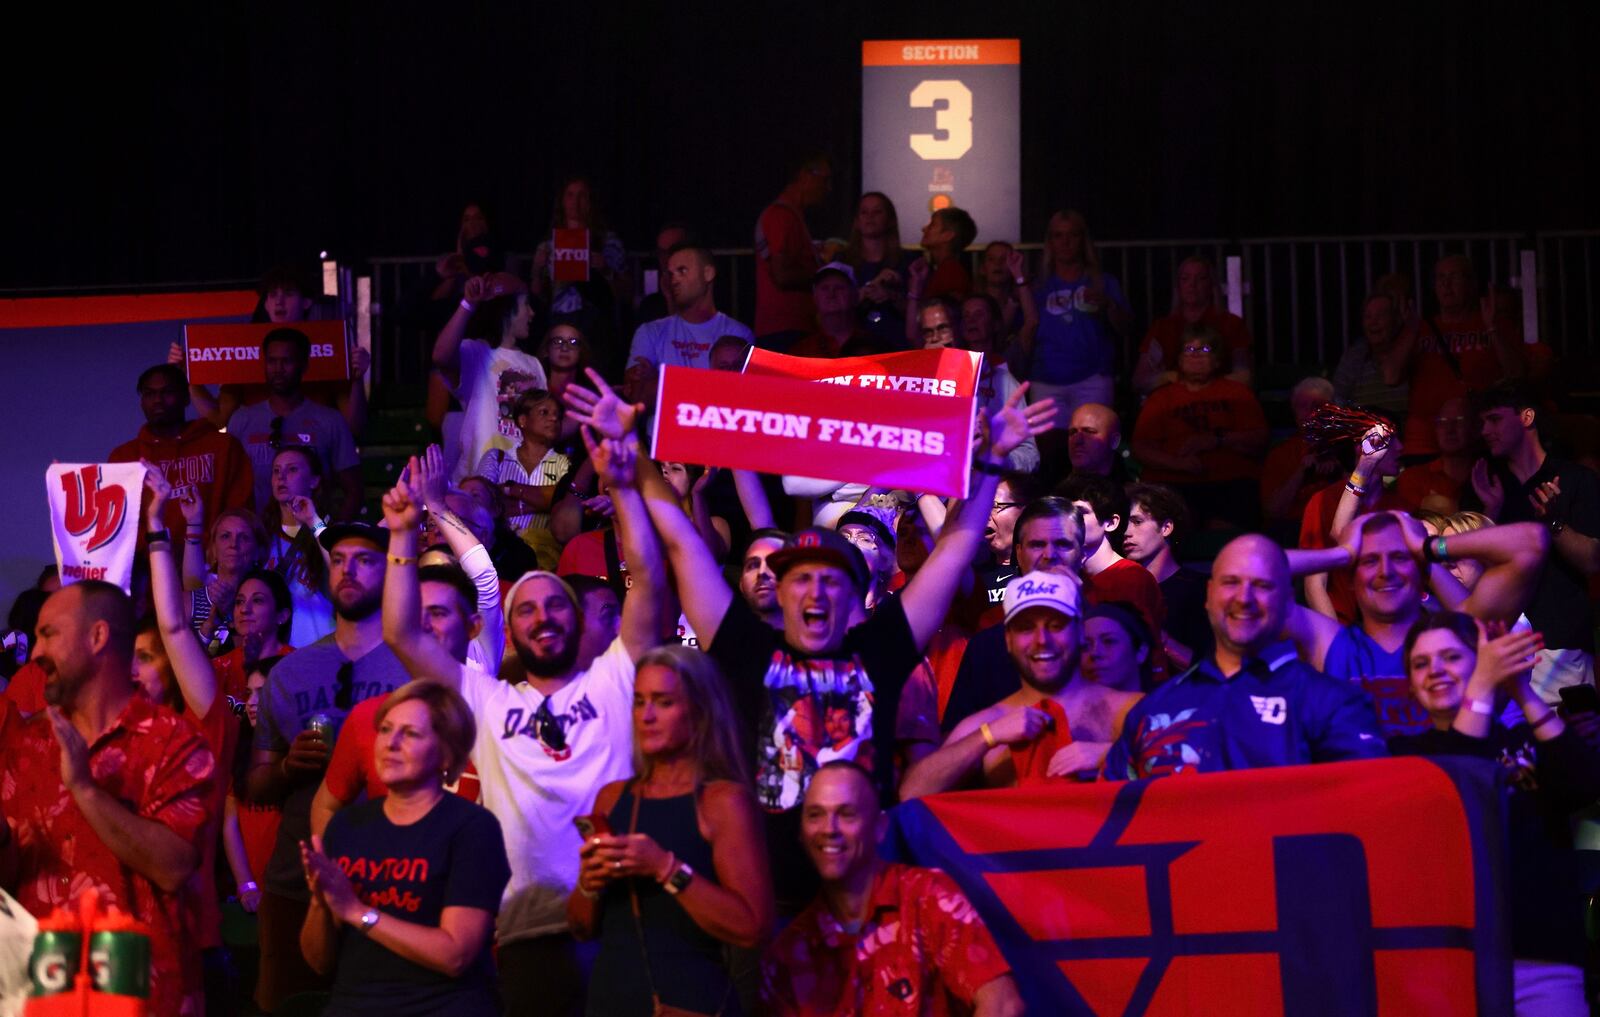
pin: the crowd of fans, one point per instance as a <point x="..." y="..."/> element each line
<point x="570" y="730"/>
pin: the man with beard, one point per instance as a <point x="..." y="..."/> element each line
<point x="1393" y="560"/>
<point x="1056" y="725"/>
<point x="1252" y="702"/>
<point x="757" y="585"/>
<point x="323" y="681"/>
<point x="105" y="788"/>
<point x="549" y="740"/>
<point x="289" y="417"/>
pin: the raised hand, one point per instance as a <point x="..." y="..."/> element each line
<point x="1415" y="534"/>
<point x="430" y="476"/>
<point x="1016" y="264"/>
<point x="155" y="481"/>
<point x="1019" y="420"/>
<point x="175" y="354"/>
<point x="1504" y="659"/>
<point x="600" y="408"/>
<point x="360" y="361"/>
<point x="476" y="289"/>
<point x="918" y="271"/>
<point x="615" y="460"/>
<point x="402" y="507"/>
<point x="193" y="509"/>
<point x="1488" y="488"/>
<point x="304" y="511"/>
<point x="1350" y="536"/>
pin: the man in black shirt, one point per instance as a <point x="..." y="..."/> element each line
<point x="789" y="684"/>
<point x="1157" y="519"/>
<point x="1527" y="483"/>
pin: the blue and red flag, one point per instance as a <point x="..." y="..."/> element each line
<point x="1361" y="888"/>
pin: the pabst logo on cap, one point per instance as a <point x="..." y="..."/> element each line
<point x="1029" y="588"/>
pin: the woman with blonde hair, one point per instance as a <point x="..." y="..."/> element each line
<point x="674" y="867"/>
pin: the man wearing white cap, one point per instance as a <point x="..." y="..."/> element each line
<point x="1057" y="724"/>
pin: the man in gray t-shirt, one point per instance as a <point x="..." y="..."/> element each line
<point x="328" y="677"/>
<point x="287" y="417"/>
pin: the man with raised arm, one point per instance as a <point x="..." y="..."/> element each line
<point x="784" y="682"/>
<point x="547" y="740"/>
<point x="1394" y="560"/>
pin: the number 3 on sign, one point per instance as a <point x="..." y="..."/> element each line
<point x="954" y="120"/>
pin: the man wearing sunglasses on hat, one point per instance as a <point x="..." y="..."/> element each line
<point x="551" y="733"/>
<point x="326" y="678"/>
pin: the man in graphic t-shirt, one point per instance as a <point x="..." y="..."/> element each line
<point x="548" y="740"/>
<point x="784" y="682"/>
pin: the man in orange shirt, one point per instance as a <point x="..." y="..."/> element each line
<point x="1291" y="473"/>
<point x="193" y="455"/>
<point x="786" y="259"/>
<point x="1460" y="350"/>
<point x="1436" y="485"/>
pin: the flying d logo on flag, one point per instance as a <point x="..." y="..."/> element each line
<point x="1286" y="891"/>
<point x="94" y="511"/>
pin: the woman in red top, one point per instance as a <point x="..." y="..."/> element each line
<point x="1204" y="435"/>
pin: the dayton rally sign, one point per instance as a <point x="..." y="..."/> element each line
<point x="944" y="372"/>
<point x="879" y="436"/>
<point x="1259" y="893"/>
<point x="231" y="354"/>
<point x="94" y="519"/>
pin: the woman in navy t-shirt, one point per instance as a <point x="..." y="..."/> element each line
<point x="405" y="888"/>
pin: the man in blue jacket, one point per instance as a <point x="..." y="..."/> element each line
<point x="1253" y="702"/>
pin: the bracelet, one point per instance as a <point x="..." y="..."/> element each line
<point x="251" y="885"/>
<point x="988" y="736"/>
<point x="1549" y="715"/>
<point x="992" y="469"/>
<point x="158" y="537"/>
<point x="1436" y="551"/>
<point x="400" y="559"/>
<point x="194" y="529"/>
<point x="1482" y="707"/>
<point x="468" y="306"/>
<point x="1355" y="488"/>
<point x="672" y="866"/>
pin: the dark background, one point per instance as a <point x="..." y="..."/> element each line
<point x="176" y="144"/>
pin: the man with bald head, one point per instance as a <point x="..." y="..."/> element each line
<point x="1093" y="436"/>
<point x="1253" y="702"/>
<point x="881" y="937"/>
<point x="105" y="788"/>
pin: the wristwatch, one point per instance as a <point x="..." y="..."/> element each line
<point x="161" y="536"/>
<point x="370" y="918"/>
<point x="679" y="879"/>
<point x="1556" y="526"/>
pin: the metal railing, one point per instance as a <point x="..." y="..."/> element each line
<point x="1301" y="296"/>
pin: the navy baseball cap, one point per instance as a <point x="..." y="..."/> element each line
<point x="354" y="530"/>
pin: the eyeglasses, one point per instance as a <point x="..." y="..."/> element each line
<point x="548" y="729"/>
<point x="275" y="434"/>
<point x="1197" y="349"/>
<point x="564" y="341"/>
<point x="346" y="678"/>
<point x="1001" y="506"/>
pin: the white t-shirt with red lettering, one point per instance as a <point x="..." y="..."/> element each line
<point x="673" y="342"/>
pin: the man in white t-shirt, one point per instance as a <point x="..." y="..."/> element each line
<point x="549" y="738"/>
<point x="683" y="339"/>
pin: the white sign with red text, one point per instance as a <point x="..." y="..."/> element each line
<point x="94" y="519"/>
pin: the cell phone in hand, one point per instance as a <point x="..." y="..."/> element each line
<point x="1579" y="699"/>
<point x="592" y="826"/>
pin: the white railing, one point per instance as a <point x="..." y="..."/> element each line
<point x="1301" y="296"/>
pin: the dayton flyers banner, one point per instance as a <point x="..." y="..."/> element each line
<point x="1362" y="888"/>
<point x="944" y="372"/>
<point x="231" y="354"/>
<point x="879" y="436"/>
<point x="94" y="519"/>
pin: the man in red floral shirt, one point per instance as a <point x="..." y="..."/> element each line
<point x="105" y="789"/>
<point x="882" y="939"/>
